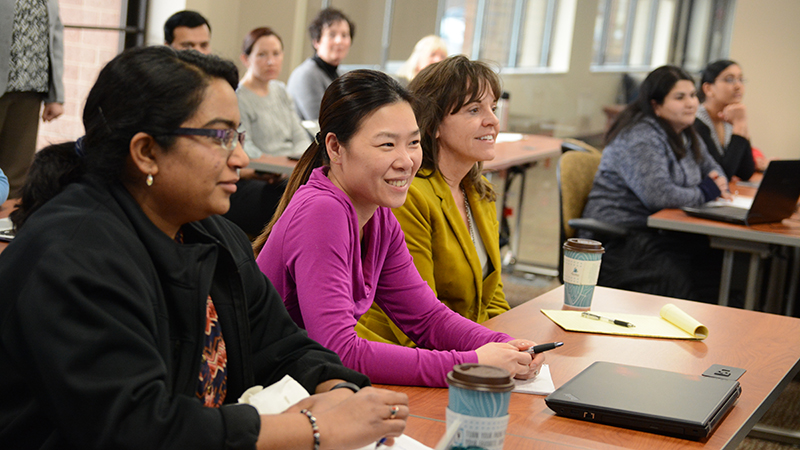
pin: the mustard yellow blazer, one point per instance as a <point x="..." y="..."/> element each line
<point x="443" y="252"/>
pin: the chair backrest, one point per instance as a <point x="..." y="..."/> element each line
<point x="575" y="172"/>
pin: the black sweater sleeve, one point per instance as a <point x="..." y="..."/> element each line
<point x="738" y="158"/>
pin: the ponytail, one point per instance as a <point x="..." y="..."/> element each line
<point x="346" y="103"/>
<point x="314" y="156"/>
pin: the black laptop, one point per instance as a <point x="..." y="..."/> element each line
<point x="652" y="400"/>
<point x="775" y="200"/>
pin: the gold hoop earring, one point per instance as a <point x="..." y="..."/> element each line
<point x="149" y="179"/>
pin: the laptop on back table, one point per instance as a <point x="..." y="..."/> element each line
<point x="651" y="400"/>
<point x="775" y="200"/>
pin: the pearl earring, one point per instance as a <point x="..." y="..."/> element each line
<point x="149" y="179"/>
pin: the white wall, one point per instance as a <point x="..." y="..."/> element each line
<point x="766" y="42"/>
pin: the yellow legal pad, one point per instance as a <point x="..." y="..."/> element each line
<point x="672" y="323"/>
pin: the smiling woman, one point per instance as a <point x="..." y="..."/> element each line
<point x="334" y="247"/>
<point x="124" y="290"/>
<point x="449" y="219"/>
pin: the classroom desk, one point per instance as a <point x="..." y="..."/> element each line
<point x="755" y="239"/>
<point x="519" y="155"/>
<point x="770" y="366"/>
<point x="273" y="164"/>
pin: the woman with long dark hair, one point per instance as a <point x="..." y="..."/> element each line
<point x="334" y="247"/>
<point x="134" y="317"/>
<point x="654" y="160"/>
<point x="722" y="118"/>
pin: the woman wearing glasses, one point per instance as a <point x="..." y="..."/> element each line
<point x="135" y="317"/>
<point x="722" y="118"/>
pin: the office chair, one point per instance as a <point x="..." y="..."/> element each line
<point x="575" y="174"/>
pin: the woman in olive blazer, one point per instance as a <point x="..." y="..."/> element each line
<point x="449" y="217"/>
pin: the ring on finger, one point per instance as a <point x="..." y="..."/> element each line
<point x="393" y="411"/>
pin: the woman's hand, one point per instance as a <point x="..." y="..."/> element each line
<point x="345" y="420"/>
<point x="722" y="184"/>
<point x="510" y="356"/>
<point x="536" y="362"/>
<point x="736" y="115"/>
<point x="363" y="418"/>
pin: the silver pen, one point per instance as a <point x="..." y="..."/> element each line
<point x="593" y="316"/>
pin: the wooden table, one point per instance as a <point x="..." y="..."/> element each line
<point x="518" y="156"/>
<point x="766" y="345"/>
<point x="273" y="164"/>
<point x="757" y="240"/>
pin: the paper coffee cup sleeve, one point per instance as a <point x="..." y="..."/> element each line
<point x="581" y="272"/>
<point x="685" y="322"/>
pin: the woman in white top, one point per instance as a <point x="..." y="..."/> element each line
<point x="268" y="113"/>
<point x="273" y="128"/>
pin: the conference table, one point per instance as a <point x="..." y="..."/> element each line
<point x="758" y="240"/>
<point x="766" y="345"/>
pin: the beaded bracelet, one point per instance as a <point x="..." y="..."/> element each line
<point x="347" y="385"/>
<point x="314" y="427"/>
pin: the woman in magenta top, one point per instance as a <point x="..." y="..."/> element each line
<point x="334" y="246"/>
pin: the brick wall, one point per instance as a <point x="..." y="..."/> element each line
<point x="85" y="53"/>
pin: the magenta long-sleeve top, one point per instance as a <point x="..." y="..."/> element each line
<point x="315" y="260"/>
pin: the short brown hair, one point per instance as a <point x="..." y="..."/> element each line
<point x="443" y="88"/>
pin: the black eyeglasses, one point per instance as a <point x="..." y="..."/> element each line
<point x="227" y="138"/>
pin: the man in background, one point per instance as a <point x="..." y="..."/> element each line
<point x="188" y="30"/>
<point x="31" y="72"/>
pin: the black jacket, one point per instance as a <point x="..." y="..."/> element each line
<point x="738" y="157"/>
<point x="102" y="318"/>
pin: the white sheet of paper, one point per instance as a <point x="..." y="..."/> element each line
<point x="542" y="384"/>
<point x="737" y="201"/>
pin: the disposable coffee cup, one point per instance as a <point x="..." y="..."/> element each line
<point x="581" y="269"/>
<point x="478" y="398"/>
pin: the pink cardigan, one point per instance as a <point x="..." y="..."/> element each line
<point x="314" y="259"/>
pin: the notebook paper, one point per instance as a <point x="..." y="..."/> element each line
<point x="671" y="323"/>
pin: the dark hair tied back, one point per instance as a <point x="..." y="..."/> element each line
<point x="151" y="90"/>
<point x="710" y="74"/>
<point x="347" y="102"/>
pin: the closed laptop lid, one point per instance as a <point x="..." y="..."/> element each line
<point x="778" y="192"/>
<point x="654" y="400"/>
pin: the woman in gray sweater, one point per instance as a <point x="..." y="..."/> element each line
<point x="654" y="160"/>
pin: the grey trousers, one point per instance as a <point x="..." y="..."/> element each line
<point x="19" y="125"/>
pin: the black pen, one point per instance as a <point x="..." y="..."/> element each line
<point x="543" y="347"/>
<point x="621" y="323"/>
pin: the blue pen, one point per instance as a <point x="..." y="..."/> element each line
<point x="381" y="442"/>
